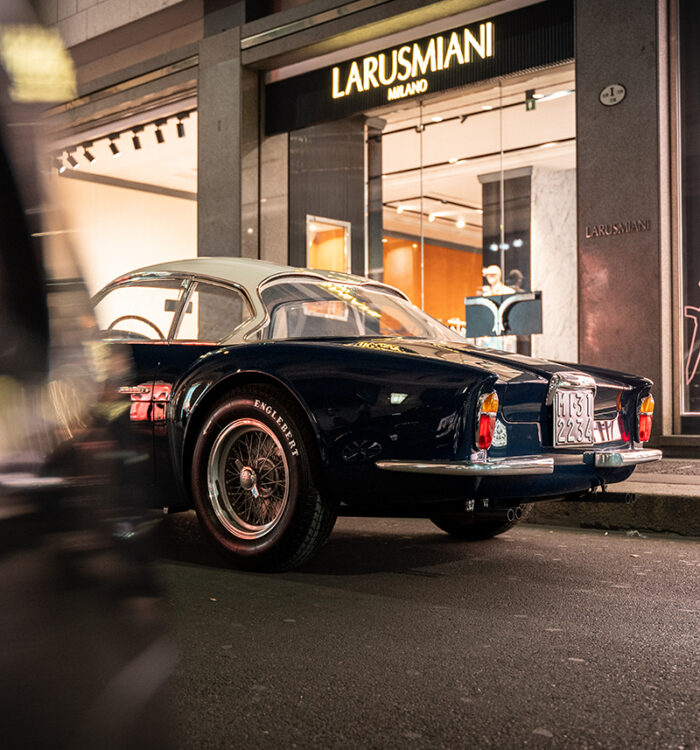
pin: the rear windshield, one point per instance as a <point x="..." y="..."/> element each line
<point x="327" y="309"/>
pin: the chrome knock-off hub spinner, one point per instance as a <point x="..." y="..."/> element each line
<point x="248" y="478"/>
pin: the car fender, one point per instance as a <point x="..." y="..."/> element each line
<point x="359" y="403"/>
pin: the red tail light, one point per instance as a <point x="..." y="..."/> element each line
<point x="486" y="420"/>
<point x="645" y="417"/>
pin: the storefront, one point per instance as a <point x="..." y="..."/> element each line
<point x="441" y="157"/>
<point x="421" y="148"/>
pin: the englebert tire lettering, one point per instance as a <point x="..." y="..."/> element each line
<point x="280" y="421"/>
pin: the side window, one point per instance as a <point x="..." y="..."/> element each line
<point x="213" y="312"/>
<point x="139" y="311"/>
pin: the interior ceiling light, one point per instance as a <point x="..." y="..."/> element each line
<point x="460" y="224"/>
<point x="135" y="138"/>
<point x="87" y="154"/>
<point x="437" y="118"/>
<point x="557" y="94"/>
<point x="159" y="133"/>
<point x="486" y="106"/>
<point x="453" y="160"/>
<point x="399" y="209"/>
<point x="431" y="217"/>
<point x="113" y="146"/>
<point x="537" y="96"/>
<point x="73" y="161"/>
<point x="60" y="166"/>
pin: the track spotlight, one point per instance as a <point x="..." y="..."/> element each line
<point x="60" y="166"/>
<point x="463" y="119"/>
<point x="87" y="154"/>
<point x="73" y="161"/>
<point x="113" y="146"/>
<point x="180" y="125"/>
<point x="135" y="138"/>
<point x="159" y="133"/>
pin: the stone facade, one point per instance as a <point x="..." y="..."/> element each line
<point x="80" y="20"/>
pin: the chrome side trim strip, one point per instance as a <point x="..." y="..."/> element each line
<point x="522" y="465"/>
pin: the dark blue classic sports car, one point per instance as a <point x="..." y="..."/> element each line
<point x="271" y="398"/>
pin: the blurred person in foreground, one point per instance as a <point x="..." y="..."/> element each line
<point x="84" y="658"/>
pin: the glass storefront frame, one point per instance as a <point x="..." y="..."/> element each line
<point x="521" y="97"/>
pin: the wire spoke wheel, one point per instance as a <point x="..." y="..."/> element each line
<point x="248" y="479"/>
<point x="253" y="483"/>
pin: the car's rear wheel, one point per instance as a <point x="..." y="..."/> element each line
<point x="252" y="481"/>
<point x="470" y="527"/>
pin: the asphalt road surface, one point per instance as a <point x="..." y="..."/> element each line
<point x="396" y="636"/>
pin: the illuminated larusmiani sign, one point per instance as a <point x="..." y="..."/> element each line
<point x="535" y="36"/>
<point x="401" y="70"/>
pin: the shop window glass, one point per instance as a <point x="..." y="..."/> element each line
<point x="142" y="311"/>
<point x="478" y="195"/>
<point x="689" y="97"/>
<point x="212" y="314"/>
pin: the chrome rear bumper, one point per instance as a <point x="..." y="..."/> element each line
<point x="525" y="465"/>
<point x="522" y="465"/>
<point x="613" y="459"/>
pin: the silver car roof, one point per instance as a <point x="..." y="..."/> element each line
<point x="246" y="272"/>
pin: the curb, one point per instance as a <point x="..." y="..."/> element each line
<point x="659" y="513"/>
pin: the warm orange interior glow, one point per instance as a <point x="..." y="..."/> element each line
<point x="327" y="248"/>
<point x="450" y="275"/>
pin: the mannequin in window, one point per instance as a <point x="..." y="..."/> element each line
<point x="494" y="284"/>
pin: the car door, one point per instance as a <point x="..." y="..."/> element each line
<point x="135" y="317"/>
<point x="211" y="313"/>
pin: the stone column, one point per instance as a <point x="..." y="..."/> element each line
<point x="228" y="184"/>
<point x="618" y="187"/>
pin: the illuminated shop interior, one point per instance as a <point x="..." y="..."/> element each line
<point x="127" y="197"/>
<point x="440" y="228"/>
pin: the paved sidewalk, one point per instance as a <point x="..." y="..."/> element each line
<point x="670" y="477"/>
<point x="667" y="500"/>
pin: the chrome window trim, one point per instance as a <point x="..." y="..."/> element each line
<point x="194" y="281"/>
<point x="188" y="281"/>
<point x="134" y="279"/>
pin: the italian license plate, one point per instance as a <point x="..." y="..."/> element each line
<point x="573" y="418"/>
